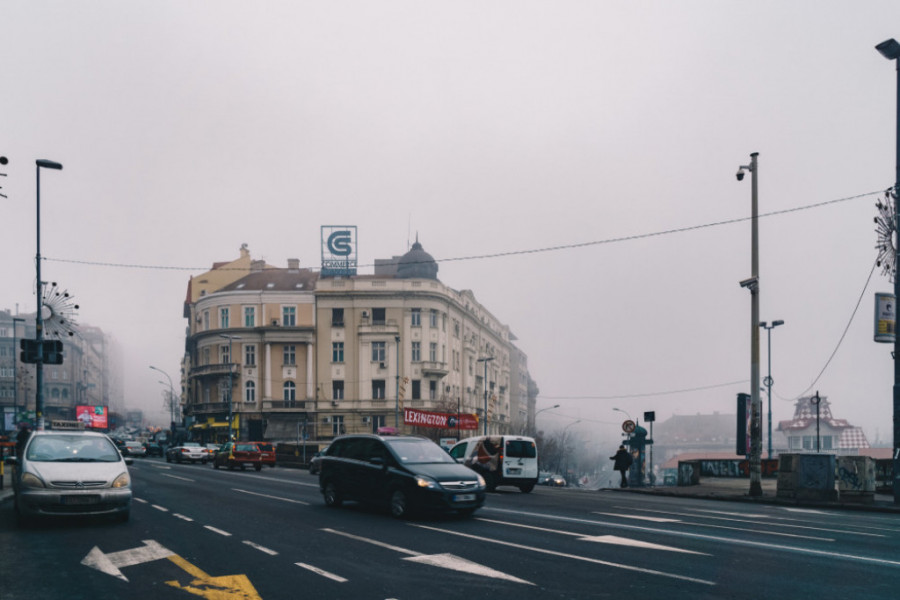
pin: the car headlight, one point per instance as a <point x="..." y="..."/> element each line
<point x="122" y="481"/>
<point x="30" y="480"/>
<point x="425" y="482"/>
<point x="481" y="481"/>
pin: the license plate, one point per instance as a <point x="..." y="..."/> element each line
<point x="73" y="500"/>
<point x="514" y="471"/>
<point x="464" y="498"/>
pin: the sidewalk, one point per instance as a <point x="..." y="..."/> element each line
<point x="735" y="489"/>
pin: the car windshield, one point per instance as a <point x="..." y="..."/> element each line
<point x="418" y="451"/>
<point x="192" y="444"/>
<point x="246" y="448"/>
<point x="71" y="448"/>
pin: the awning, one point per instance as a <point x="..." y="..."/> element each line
<point x="217" y="424"/>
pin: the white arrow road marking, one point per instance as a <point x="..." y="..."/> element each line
<point x="446" y="561"/>
<point x="639" y="517"/>
<point x="319" y="571"/>
<point x="603" y="539"/>
<point x="112" y="562"/>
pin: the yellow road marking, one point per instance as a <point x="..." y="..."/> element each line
<point x="226" y="587"/>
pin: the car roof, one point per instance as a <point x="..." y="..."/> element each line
<point x="69" y="432"/>
<point x="375" y="436"/>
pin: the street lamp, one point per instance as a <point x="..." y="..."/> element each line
<point x="485" y="360"/>
<point x="626" y="414"/>
<point x="230" y="339"/>
<point x="397" y="387"/>
<point x="769" y="381"/>
<point x="752" y="284"/>
<point x="39" y="318"/>
<point x="171" y="398"/>
<point x="890" y="49"/>
<point x="534" y="418"/>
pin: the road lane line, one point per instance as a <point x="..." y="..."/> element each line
<point x="141" y="500"/>
<point x="319" y="571"/>
<point x="270" y="497"/>
<point x="639" y="517"/>
<point x="177" y="477"/>
<point x="374" y="542"/>
<point x="595" y="561"/>
<point x="160" y="508"/>
<point x="215" y="530"/>
<point x="182" y="517"/>
<point x="261" y="548"/>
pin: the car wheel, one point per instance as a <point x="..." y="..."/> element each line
<point x="399" y="504"/>
<point x="526" y="487"/>
<point x="332" y="496"/>
<point x="258" y="467"/>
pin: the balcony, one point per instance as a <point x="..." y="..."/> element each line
<point x="286" y="406"/>
<point x="434" y="369"/>
<point x="219" y="369"/>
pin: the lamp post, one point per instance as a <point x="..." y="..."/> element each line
<point x="397" y="387"/>
<point x="171" y="398"/>
<point x="753" y="285"/>
<point x="485" y="360"/>
<point x="534" y="420"/>
<point x="16" y="372"/>
<point x="890" y="49"/>
<point x="769" y="381"/>
<point x="39" y="318"/>
<point x="231" y="363"/>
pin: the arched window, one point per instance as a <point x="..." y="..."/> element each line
<point x="54" y="393"/>
<point x="65" y="394"/>
<point x="250" y="392"/>
<point x="290" y="394"/>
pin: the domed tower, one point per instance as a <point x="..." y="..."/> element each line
<point x="417" y="264"/>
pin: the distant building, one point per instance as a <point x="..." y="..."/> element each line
<point x="835" y="436"/>
<point x="714" y="434"/>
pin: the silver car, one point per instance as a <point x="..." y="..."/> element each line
<point x="71" y="473"/>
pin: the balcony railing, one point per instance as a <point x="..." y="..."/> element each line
<point x="214" y="369"/>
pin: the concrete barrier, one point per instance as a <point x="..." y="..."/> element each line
<point x="688" y="472"/>
<point x="856" y="479"/>
<point x="806" y="477"/>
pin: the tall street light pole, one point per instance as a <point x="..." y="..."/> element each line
<point x="485" y="360"/>
<point x="171" y="399"/>
<point x="753" y="285"/>
<point x="39" y="318"/>
<point x="397" y="386"/>
<point x="231" y="363"/>
<point x="769" y="381"/>
<point x="534" y="427"/>
<point x="16" y="372"/>
<point x="890" y="49"/>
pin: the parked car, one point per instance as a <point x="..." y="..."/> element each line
<point x="63" y="473"/>
<point x="266" y="454"/>
<point x="500" y="459"/>
<point x="239" y="454"/>
<point x="187" y="452"/>
<point x="132" y="448"/>
<point x="404" y="473"/>
<point x="211" y="450"/>
<point x="316" y="461"/>
<point x="556" y="480"/>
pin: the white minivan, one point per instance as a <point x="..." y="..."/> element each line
<point x="500" y="459"/>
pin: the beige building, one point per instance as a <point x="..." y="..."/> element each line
<point x="315" y="356"/>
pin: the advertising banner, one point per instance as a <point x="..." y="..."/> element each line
<point x="885" y="318"/>
<point x="94" y="417"/>
<point x="339" y="253"/>
<point x="423" y="418"/>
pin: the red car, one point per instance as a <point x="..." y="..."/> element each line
<point x="238" y="454"/>
<point x="267" y="453"/>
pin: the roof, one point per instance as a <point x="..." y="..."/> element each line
<point x="279" y="280"/>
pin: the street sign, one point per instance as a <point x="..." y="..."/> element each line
<point x="628" y="426"/>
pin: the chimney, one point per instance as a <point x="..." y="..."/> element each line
<point x="294" y="264"/>
<point x="256" y="266"/>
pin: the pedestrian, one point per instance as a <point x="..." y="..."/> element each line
<point x="22" y="438"/>
<point x="623" y="461"/>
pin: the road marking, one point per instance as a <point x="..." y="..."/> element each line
<point x="141" y="500"/>
<point x="161" y="466"/>
<point x="160" y="508"/>
<point x="261" y="548"/>
<point x="112" y="562"/>
<point x="595" y="561"/>
<point x="219" y="531"/>
<point x="319" y="571"/>
<point x="603" y="539"/>
<point x="638" y="517"/>
<point x="445" y="561"/>
<point x="177" y="477"/>
<point x="182" y="517"/>
<point x="271" y="497"/>
<point x="214" y="588"/>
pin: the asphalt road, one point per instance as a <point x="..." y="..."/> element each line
<point x="197" y="532"/>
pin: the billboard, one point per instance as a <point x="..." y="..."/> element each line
<point x="424" y="418"/>
<point x="339" y="256"/>
<point x="93" y="417"/>
<point x="885" y="318"/>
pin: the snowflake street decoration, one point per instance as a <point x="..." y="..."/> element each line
<point x="58" y="312"/>
<point x="887" y="234"/>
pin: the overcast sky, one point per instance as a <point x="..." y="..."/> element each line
<point x="189" y="128"/>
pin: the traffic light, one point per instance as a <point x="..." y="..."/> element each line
<point x="29" y="351"/>
<point x="53" y="352"/>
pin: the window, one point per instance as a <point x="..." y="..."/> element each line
<point x="337" y="352"/>
<point x="249" y="316"/>
<point x="290" y="354"/>
<point x="249" y="354"/>
<point x="290" y="394"/>
<point x="432" y="390"/>
<point x="378" y="389"/>
<point x="416" y="317"/>
<point x="206" y="356"/>
<point x="416" y="389"/>
<point x="809" y="442"/>
<point x="224" y="354"/>
<point x="455" y="328"/>
<point x="250" y="392"/>
<point x="378" y="317"/>
<point x="337" y="425"/>
<point x="337" y="389"/>
<point x="337" y="317"/>
<point x="289" y="316"/>
<point x="223" y="318"/>
<point x="826" y="442"/>
<point x="416" y="352"/>
<point x="432" y="319"/>
<point x="205" y="320"/>
<point x="378" y="351"/>
<point x="432" y="351"/>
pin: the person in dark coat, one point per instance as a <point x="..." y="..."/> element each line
<point x="623" y="461"/>
<point x="22" y="438"/>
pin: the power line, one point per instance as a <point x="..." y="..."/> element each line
<point x="646" y="394"/>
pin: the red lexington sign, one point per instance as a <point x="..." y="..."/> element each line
<point x="423" y="418"/>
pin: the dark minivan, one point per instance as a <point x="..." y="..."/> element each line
<point x="405" y="473"/>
